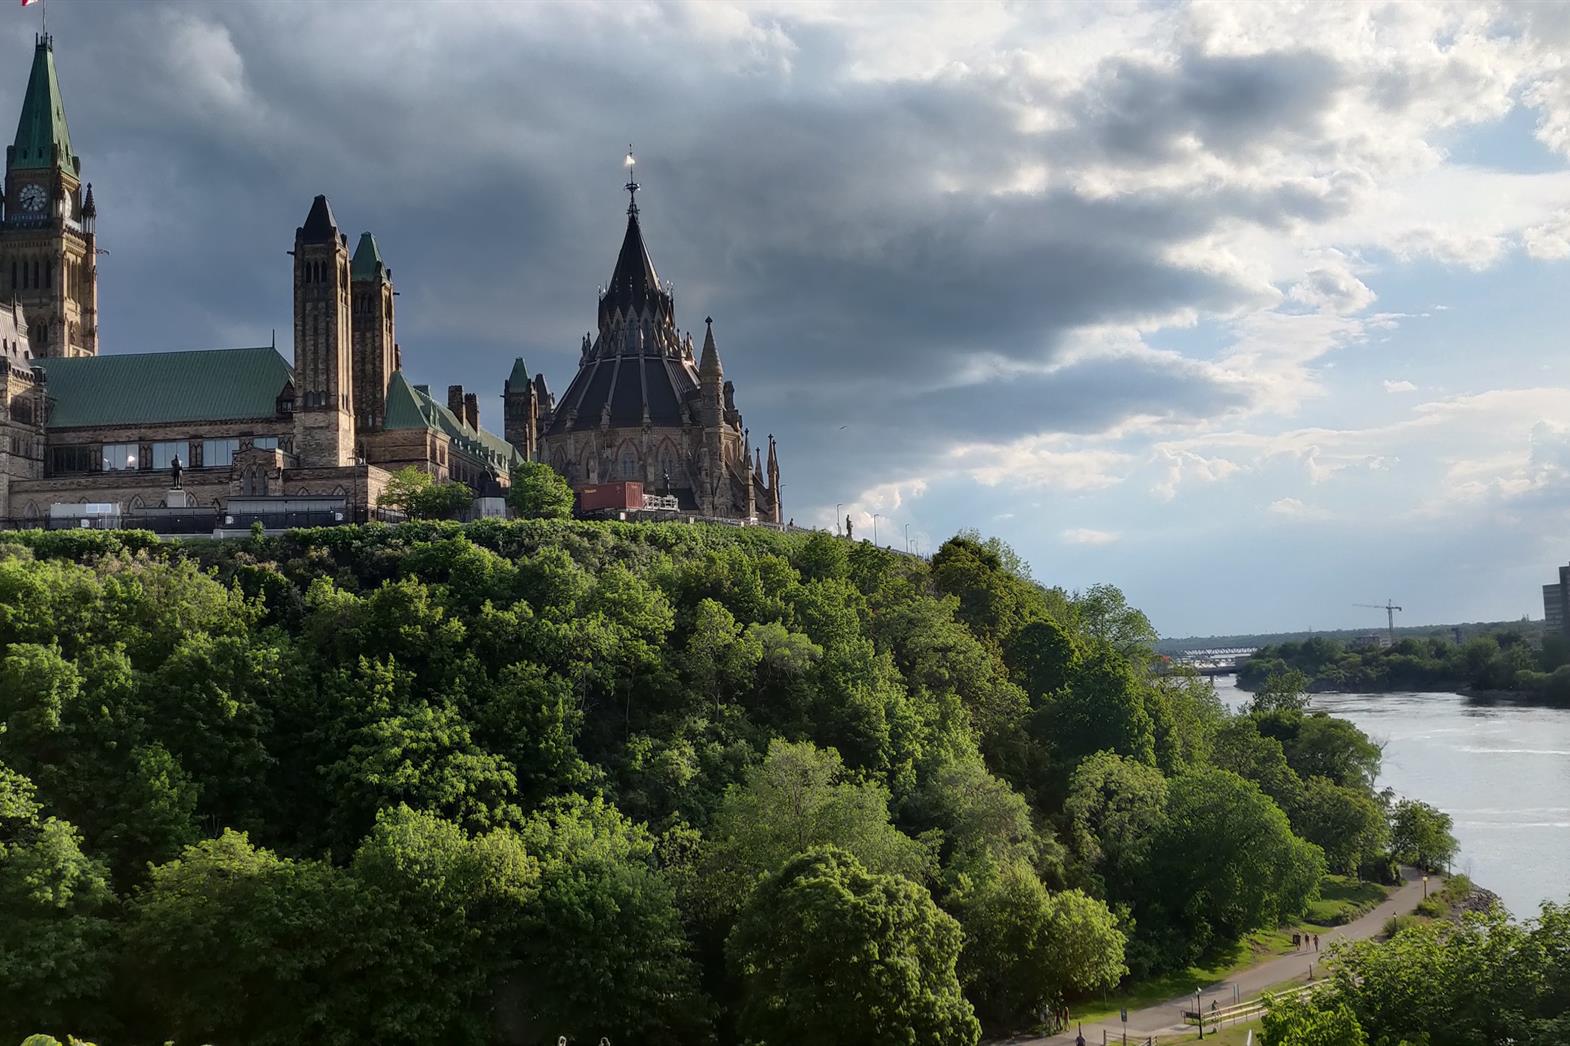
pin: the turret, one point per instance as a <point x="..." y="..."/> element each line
<point x="774" y="481"/>
<point x="521" y="411"/>
<point x="747" y="475"/>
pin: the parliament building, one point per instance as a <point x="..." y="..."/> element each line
<point x="83" y="431"/>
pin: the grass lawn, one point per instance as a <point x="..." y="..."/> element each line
<point x="1343" y="898"/>
<point x="1339" y="896"/>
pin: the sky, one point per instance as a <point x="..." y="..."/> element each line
<point x="1257" y="311"/>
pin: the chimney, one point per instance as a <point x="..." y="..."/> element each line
<point x="471" y="410"/>
<point x="455" y="400"/>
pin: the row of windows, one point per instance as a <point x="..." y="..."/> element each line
<point x="32" y="275"/>
<point x="318" y="271"/>
<point x="117" y="457"/>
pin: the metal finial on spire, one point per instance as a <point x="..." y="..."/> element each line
<point x="631" y="163"/>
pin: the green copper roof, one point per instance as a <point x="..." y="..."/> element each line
<point x="367" y="259"/>
<point x="149" y="387"/>
<point x="519" y="378"/>
<point x="42" y="126"/>
<point x="409" y="408"/>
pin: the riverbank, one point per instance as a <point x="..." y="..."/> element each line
<point x="1166" y="1017"/>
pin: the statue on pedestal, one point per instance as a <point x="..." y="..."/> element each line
<point x="177" y="473"/>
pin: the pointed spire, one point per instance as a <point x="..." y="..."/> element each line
<point x="320" y="225"/>
<point x="367" y="263"/>
<point x="42" y="139"/>
<point x="709" y="364"/>
<point x="774" y="461"/>
<point x="518" y="379"/>
<point x="89" y="208"/>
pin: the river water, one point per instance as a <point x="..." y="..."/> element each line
<point x="1502" y="771"/>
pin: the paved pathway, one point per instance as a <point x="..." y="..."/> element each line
<point x="1251" y="981"/>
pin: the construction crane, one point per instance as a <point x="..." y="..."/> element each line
<point x="1390" y="609"/>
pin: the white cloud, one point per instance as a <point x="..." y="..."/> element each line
<point x="1549" y="240"/>
<point x="1295" y="508"/>
<point x="1333" y="288"/>
<point x="1400" y="385"/>
<point x="1087" y="536"/>
<point x="1042" y="461"/>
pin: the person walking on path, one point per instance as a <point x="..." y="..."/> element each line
<point x="1316" y="942"/>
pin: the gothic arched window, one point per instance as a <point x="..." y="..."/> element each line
<point x="627" y="463"/>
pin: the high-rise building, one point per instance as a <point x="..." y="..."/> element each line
<point x="1556" y="605"/>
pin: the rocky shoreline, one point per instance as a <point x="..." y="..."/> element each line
<point x="1477" y="899"/>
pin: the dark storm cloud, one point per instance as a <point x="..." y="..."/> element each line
<point x="1138" y="111"/>
<point x="848" y="236"/>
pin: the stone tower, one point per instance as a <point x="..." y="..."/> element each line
<point x="375" y="354"/>
<point x="48" y="257"/>
<point x="521" y="411"/>
<point x="323" y="368"/>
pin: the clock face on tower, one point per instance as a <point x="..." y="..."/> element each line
<point x="32" y="198"/>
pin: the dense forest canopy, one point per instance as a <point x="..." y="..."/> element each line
<point x="503" y="782"/>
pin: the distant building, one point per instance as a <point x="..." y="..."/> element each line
<point x="1371" y="641"/>
<point x="1556" y="605"/>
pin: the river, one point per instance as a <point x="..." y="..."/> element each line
<point x="1502" y="771"/>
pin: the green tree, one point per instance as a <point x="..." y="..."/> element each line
<point x="1105" y="615"/>
<point x="229" y="943"/>
<point x="799" y="797"/>
<point x="1102" y="709"/>
<point x="1344" y="822"/>
<point x="1027" y="952"/>
<point x="414" y="491"/>
<point x="1420" y="835"/>
<point x="1295" y="1021"/>
<point x="1226" y="862"/>
<point x="539" y="492"/>
<point x="1115" y="808"/>
<point x="1281" y="691"/>
<point x="826" y="952"/>
<point x="55" y="930"/>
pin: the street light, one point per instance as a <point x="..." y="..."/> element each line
<point x="837" y="506"/>
<point x="907" y="539"/>
<point x="875" y="528"/>
<point x="1425" y="887"/>
<point x="1200" y="1013"/>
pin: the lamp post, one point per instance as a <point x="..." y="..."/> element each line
<point x="1200" y="1013"/>
<point x="875" y="528"/>
<point x="1425" y="887"/>
<point x="907" y="539"/>
<point x="838" y="529"/>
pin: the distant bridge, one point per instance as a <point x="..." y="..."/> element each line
<point x="1223" y="661"/>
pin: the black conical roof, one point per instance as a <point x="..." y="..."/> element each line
<point x="634" y="284"/>
<point x="320" y="225"/>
